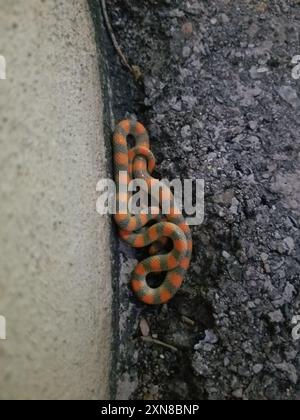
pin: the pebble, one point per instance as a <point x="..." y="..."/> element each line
<point x="225" y="18"/>
<point x="186" y="131"/>
<point x="226" y="255"/>
<point x="191" y="101"/>
<point x="186" y="52"/>
<point x="276" y="317"/>
<point x="144" y="327"/>
<point x="210" y="337"/>
<point x="290" y="244"/>
<point x="290" y="370"/>
<point x="289" y="95"/>
<point x="238" y="394"/>
<point x="234" y="206"/>
<point x="257" y="368"/>
<point x="253" y="125"/>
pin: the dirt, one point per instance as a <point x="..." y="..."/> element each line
<point x="220" y="98"/>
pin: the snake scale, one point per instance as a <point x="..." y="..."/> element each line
<point x="149" y="228"/>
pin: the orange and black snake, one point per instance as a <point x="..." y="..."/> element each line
<point x="136" y="163"/>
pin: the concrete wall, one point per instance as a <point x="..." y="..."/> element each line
<point x="54" y="262"/>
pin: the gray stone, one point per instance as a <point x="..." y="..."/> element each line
<point x="290" y="95"/>
<point x="253" y="125"/>
<point x="290" y="370"/>
<point x="257" y="368"/>
<point x="210" y="337"/>
<point x="238" y="394"/>
<point x="290" y="244"/>
<point x="186" y="131"/>
<point x="186" y="52"/>
<point x="276" y="316"/>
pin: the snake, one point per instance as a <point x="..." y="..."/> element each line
<point x="149" y="228"/>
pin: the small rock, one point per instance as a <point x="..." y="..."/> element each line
<point x="226" y="255"/>
<point x="186" y="131"/>
<point x="176" y="13"/>
<point x="257" y="368"/>
<point x="225" y="18"/>
<point x="264" y="257"/>
<point x="186" y="52"/>
<point x="210" y="337"/>
<point x="208" y="347"/>
<point x="187" y="147"/>
<point x="238" y="394"/>
<point x="253" y="125"/>
<point x="144" y="327"/>
<point x="234" y="206"/>
<point x="255" y="142"/>
<point x="226" y="362"/>
<point x="290" y="244"/>
<point x="290" y="370"/>
<point x="289" y="95"/>
<point x="190" y="101"/>
<point x="276" y="317"/>
<point x="262" y="70"/>
<point x="175" y="104"/>
<point x="253" y="72"/>
<point x="251" y="252"/>
<point x="288" y="293"/>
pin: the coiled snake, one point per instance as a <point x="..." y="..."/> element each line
<point x="139" y="162"/>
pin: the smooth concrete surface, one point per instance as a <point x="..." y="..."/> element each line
<point x="55" y="281"/>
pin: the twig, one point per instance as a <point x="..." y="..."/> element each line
<point x="114" y="39"/>
<point x="159" y="343"/>
<point x="187" y="320"/>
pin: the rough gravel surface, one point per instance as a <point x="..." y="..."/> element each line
<point x="220" y="96"/>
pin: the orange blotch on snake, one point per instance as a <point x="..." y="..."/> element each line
<point x="121" y="158"/>
<point x="131" y="154"/>
<point x="165" y="295"/>
<point x="139" y="242"/>
<point x="149" y="299"/>
<point x="139" y="129"/>
<point x="172" y="262"/>
<point x="125" y="124"/>
<point x="120" y="140"/>
<point x="144" y="218"/>
<point x="168" y="230"/>
<point x="180" y="245"/>
<point x="136" y="285"/>
<point x="139" y="165"/>
<point x="132" y="225"/>
<point x="124" y="234"/>
<point x="153" y="235"/>
<point x="140" y="270"/>
<point x="176" y="280"/>
<point x="185" y="263"/>
<point x="155" y="265"/>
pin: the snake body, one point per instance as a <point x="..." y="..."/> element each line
<point x="139" y="162"/>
